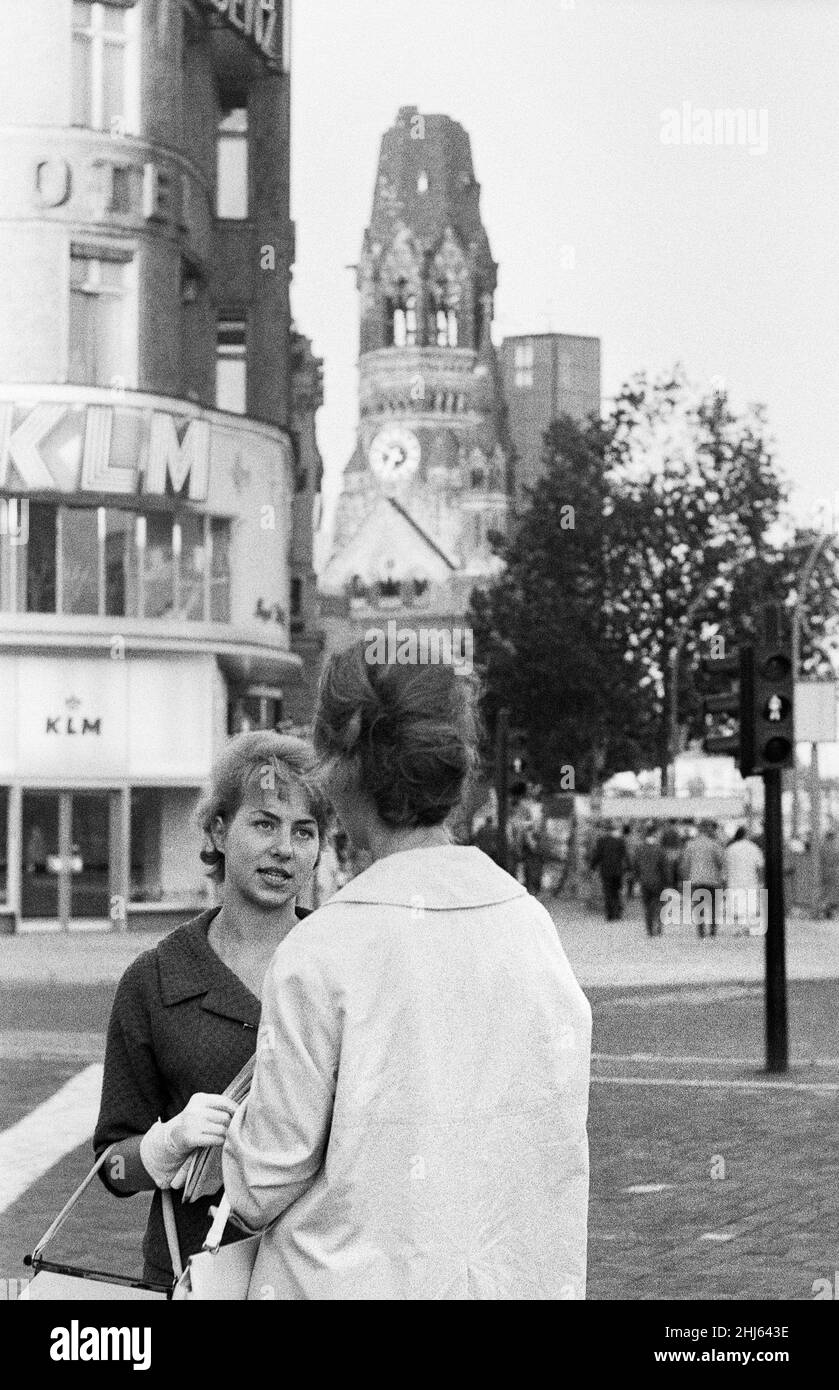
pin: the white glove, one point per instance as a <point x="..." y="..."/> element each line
<point x="166" y="1147"/>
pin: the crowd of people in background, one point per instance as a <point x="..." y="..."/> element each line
<point x="719" y="883"/>
<point x="718" y="880"/>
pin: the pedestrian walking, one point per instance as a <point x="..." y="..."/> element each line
<point x="651" y="870"/>
<point x="609" y="857"/>
<point x="743" y="879"/>
<point x="830" y="873"/>
<point x="418" y="1128"/>
<point x="185" y="1016"/>
<point x="703" y="867"/>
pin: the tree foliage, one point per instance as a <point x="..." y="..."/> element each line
<point x="649" y="532"/>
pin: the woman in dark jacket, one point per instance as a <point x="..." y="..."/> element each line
<point x="186" y="1014"/>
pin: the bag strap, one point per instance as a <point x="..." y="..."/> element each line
<point x="212" y="1241"/>
<point x="168" y="1216"/>
<point x="68" y="1206"/>
<point x="171" y="1231"/>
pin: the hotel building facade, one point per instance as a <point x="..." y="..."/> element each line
<point x="158" y="470"/>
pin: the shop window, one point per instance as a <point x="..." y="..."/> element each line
<point x="158" y="566"/>
<point x="259" y="708"/>
<point x="220" y="572"/>
<point x="231" y="366"/>
<point x="41" y="571"/>
<point x="102" y="95"/>
<point x="232" y="164"/>
<point x="190" y="557"/>
<point x="78" y="547"/>
<point x="119" y="563"/>
<point x="165" y="846"/>
<point x="101" y="346"/>
<point x="14" y="526"/>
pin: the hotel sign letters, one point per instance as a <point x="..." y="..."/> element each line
<point x="58" y="446"/>
<point x="256" y="19"/>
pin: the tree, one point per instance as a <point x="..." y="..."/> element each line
<point x="544" y="639"/>
<point x="694" y="498"/>
<point x="656" y="530"/>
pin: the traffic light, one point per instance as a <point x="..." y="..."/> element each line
<point x="773" y="693"/>
<point x="737" y="739"/>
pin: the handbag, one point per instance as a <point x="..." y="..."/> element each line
<point x="216" y="1272"/>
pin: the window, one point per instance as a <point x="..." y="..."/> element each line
<point x="422" y="181"/>
<point x="189" y="550"/>
<point x="101" y="333"/>
<point x="220" y="572"/>
<point x="117" y="563"/>
<point x="296" y="596"/>
<point x="524" y="364"/>
<point x="231" y="366"/>
<point x="101" y="82"/>
<point x="40" y="559"/>
<point x="232" y="164"/>
<point x="405" y="323"/>
<point x="164" y="856"/>
<point x="78" y="571"/>
<point x="446" y="327"/>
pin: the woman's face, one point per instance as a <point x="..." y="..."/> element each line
<point x="270" y="847"/>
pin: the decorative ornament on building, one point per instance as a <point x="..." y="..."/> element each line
<point x="450" y="266"/>
<point x="401" y="266"/>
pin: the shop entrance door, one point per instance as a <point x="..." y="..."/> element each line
<point x="66" y="856"/>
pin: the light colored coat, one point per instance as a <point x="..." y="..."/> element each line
<point x="418" y="1114"/>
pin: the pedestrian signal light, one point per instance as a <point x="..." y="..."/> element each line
<point x="773" y="695"/>
<point x="732" y="735"/>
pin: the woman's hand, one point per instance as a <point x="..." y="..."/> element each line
<point x="203" y="1123"/>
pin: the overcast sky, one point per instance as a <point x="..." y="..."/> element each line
<point x="716" y="256"/>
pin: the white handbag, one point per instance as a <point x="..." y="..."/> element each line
<point x="216" y="1272"/>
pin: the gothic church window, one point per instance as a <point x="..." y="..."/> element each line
<point x="403" y="321"/>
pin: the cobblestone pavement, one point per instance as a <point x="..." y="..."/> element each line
<point x="709" y="1178"/>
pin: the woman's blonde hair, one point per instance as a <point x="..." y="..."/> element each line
<point x="275" y="762"/>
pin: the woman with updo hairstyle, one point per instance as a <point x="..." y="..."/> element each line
<point x="417" y="1128"/>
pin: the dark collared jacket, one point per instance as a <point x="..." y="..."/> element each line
<point x="181" y="1022"/>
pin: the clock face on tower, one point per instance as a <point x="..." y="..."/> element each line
<point x="394" y="453"/>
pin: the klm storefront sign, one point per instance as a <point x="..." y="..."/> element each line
<point x="258" y="20"/>
<point x="58" y="446"/>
